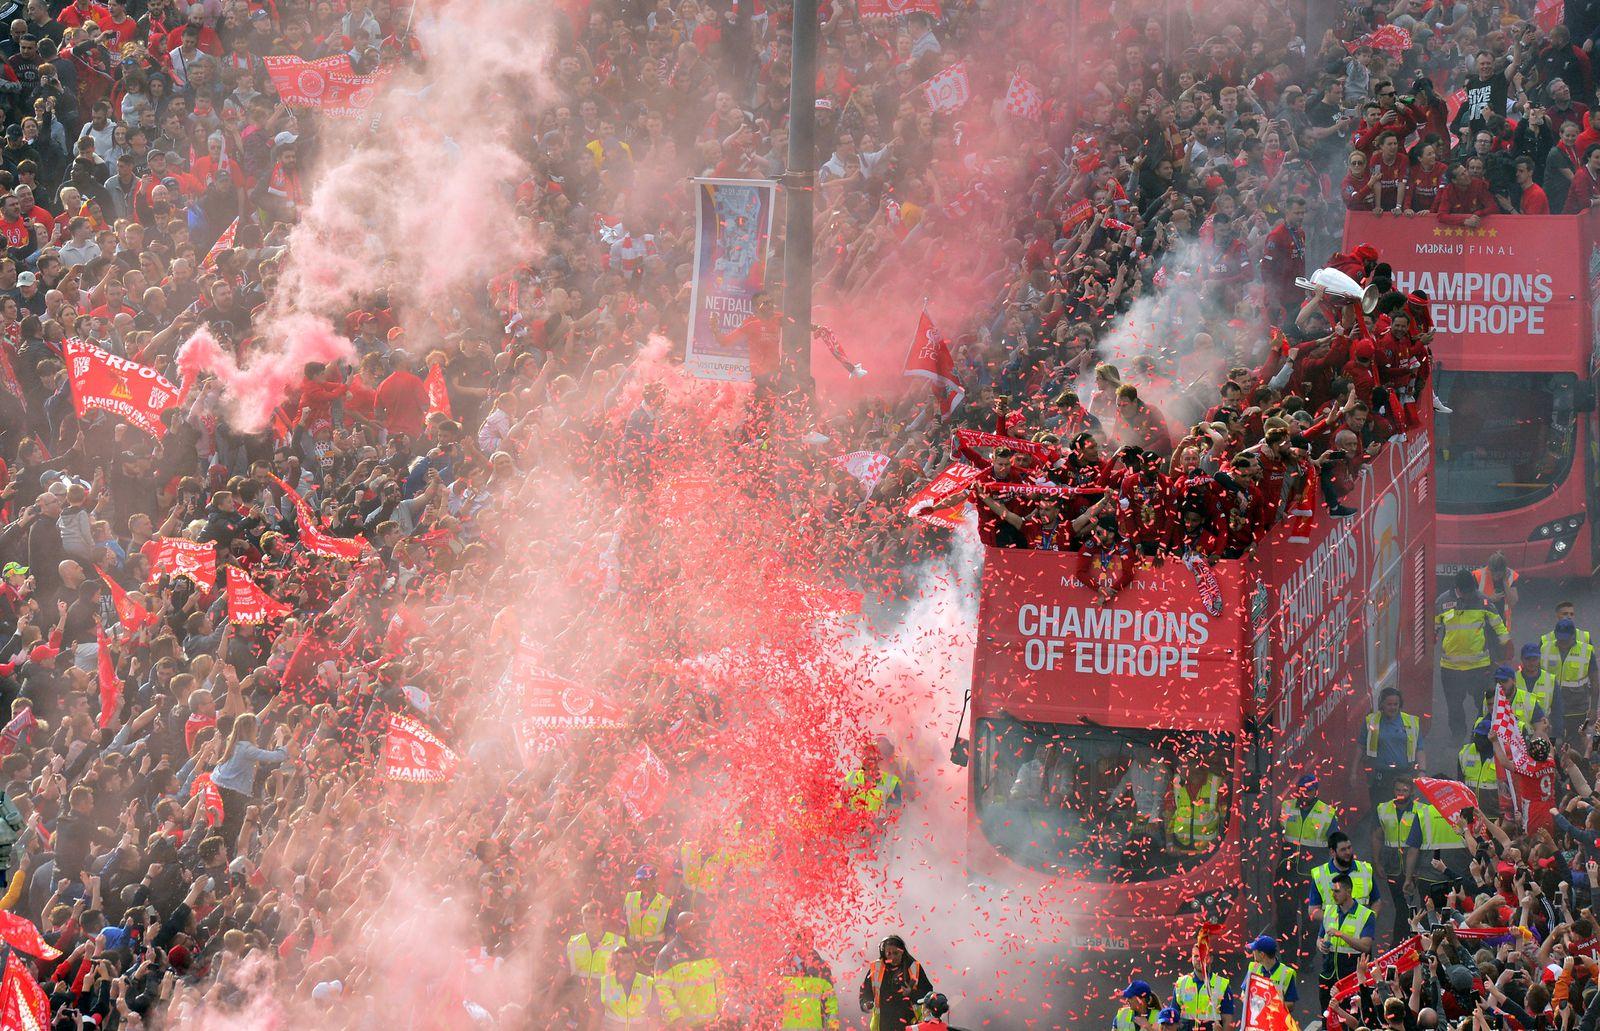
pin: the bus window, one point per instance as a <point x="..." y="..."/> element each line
<point x="1516" y="441"/>
<point x="1104" y="803"/>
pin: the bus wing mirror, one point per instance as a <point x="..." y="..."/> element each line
<point x="1584" y="400"/>
<point x="958" y="752"/>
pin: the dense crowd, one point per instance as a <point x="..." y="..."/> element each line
<point x="197" y="812"/>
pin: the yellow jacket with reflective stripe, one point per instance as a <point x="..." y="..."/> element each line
<point x="1200" y="1001"/>
<point x="589" y="961"/>
<point x="1350" y="923"/>
<point x="1540" y="692"/>
<point x="1413" y="733"/>
<point x="1282" y="976"/>
<point x="809" y="1003"/>
<point x="1309" y="828"/>
<point x="871" y="799"/>
<point x="646" y="923"/>
<point x="1477" y="773"/>
<point x="1396" y="827"/>
<point x="1570" y="670"/>
<point x="625" y="1009"/>
<point x="1436" y="830"/>
<point x="1467" y="632"/>
<point x="689" y="986"/>
<point x="1361" y="882"/>
<point x="1196" y="819"/>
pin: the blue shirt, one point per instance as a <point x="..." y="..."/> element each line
<point x="1392" y="742"/>
<point x="238" y="771"/>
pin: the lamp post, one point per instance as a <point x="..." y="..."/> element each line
<point x="799" y="189"/>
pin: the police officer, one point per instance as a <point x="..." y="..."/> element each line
<point x="1391" y="837"/>
<point x="1445" y="848"/>
<point x="589" y="954"/>
<point x="1535" y="685"/>
<point x="690" y="982"/>
<point x="1342" y="862"/>
<point x="1138" y="1003"/>
<point x="1202" y="999"/>
<point x="1264" y="962"/>
<point x="627" y="995"/>
<point x="810" y="1002"/>
<point x="1569" y="610"/>
<point x="1571" y="662"/>
<point x="1469" y="633"/>
<point x="1478" y="770"/>
<point x="1348" y="929"/>
<point x="1306" y="822"/>
<point x="1392" y="745"/>
<point x="646" y="909"/>
<point x="870" y="787"/>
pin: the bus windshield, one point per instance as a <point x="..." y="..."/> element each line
<point x="1104" y="803"/>
<point x="1515" y="444"/>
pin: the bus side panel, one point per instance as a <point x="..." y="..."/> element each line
<point x="1343" y="612"/>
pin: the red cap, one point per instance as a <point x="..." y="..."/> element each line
<point x="43" y="653"/>
<point x="1366" y="252"/>
<point x="1363" y="348"/>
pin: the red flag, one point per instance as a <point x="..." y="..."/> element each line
<point x="1023" y="99"/>
<point x="438" y="396"/>
<point x="890" y="8"/>
<point x="248" y="603"/>
<point x="23" y="935"/>
<point x="929" y="358"/>
<point x="413" y="755"/>
<point x="133" y="616"/>
<point x="110" y="685"/>
<point x="283" y="425"/>
<point x="1403" y="957"/>
<point x="104" y="382"/>
<point x="1264" y="1008"/>
<point x="951" y="483"/>
<point x="210" y="798"/>
<point x="952" y="517"/>
<point x="549" y="700"/>
<point x="1391" y="39"/>
<point x="314" y="540"/>
<point x="1448" y="796"/>
<point x="224" y="242"/>
<point x="13" y="732"/>
<point x="1505" y="730"/>
<point x="1547" y="14"/>
<point x="327" y="85"/>
<point x="23" y="1004"/>
<point x="176" y="556"/>
<point x="8" y="373"/>
<point x="642" y="781"/>
<point x="949" y="89"/>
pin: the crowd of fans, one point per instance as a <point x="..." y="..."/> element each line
<point x="216" y="832"/>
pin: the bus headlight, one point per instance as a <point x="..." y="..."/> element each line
<point x="1213" y="906"/>
<point x="1566" y="526"/>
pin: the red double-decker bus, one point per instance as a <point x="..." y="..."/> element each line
<point x="1513" y="303"/>
<point x="1084" y="715"/>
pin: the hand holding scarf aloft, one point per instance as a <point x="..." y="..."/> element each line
<point x="836" y="349"/>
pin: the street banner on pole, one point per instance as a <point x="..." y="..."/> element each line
<point x="733" y="226"/>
